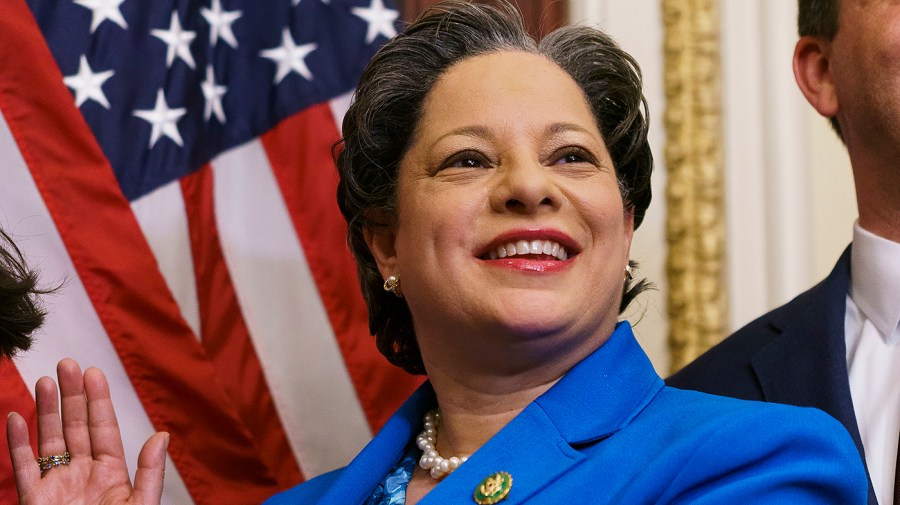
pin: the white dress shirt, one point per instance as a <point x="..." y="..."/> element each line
<point x="872" y="331"/>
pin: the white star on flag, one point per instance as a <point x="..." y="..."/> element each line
<point x="380" y="19"/>
<point x="163" y="120"/>
<point x="87" y="84"/>
<point x="290" y="57"/>
<point x="213" y="94"/>
<point x="220" y="23"/>
<point x="103" y="10"/>
<point x="297" y="2"/>
<point x="178" y="41"/>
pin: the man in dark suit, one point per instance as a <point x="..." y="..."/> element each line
<point x="837" y="346"/>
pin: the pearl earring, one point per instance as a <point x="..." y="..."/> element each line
<point x="392" y="285"/>
<point x="629" y="273"/>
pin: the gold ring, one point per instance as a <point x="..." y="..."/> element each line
<point x="47" y="462"/>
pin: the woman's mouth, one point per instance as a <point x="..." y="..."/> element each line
<point x="530" y="249"/>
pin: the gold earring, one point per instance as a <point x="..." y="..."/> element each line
<point x="392" y="285"/>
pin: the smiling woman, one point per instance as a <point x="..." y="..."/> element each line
<point x="391" y="99"/>
<point x="492" y="186"/>
<point x="484" y="174"/>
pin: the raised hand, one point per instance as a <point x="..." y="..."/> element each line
<point x="96" y="472"/>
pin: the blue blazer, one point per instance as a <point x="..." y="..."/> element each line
<point x="611" y="432"/>
<point x="795" y="354"/>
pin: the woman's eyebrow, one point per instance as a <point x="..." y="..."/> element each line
<point x="563" y="127"/>
<point x="475" y="131"/>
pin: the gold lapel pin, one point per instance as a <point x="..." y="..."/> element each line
<point x="494" y="488"/>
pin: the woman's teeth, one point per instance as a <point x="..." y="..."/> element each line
<point x="522" y="247"/>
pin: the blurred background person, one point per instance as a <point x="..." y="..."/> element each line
<point x="837" y="346"/>
<point x="20" y="309"/>
<point x="21" y="314"/>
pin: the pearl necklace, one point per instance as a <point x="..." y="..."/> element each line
<point x="431" y="460"/>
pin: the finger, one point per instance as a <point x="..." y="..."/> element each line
<point x="25" y="468"/>
<point x="148" y="480"/>
<point x="74" y="408"/>
<point x="106" y="441"/>
<point x="50" y="434"/>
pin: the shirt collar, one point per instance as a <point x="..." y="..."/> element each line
<point x="875" y="280"/>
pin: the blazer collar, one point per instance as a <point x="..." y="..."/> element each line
<point x="621" y="381"/>
<point x="812" y="327"/>
<point x="598" y="397"/>
<point x="806" y="364"/>
<point x="357" y="481"/>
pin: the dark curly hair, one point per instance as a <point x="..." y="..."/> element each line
<point x="379" y="126"/>
<point x="20" y="313"/>
<point x="819" y="18"/>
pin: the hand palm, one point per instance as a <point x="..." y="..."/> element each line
<point x="97" y="472"/>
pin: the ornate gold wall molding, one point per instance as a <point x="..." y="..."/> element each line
<point x="695" y="220"/>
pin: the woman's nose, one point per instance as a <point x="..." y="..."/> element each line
<point x="526" y="187"/>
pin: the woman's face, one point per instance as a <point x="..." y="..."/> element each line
<point x="510" y="220"/>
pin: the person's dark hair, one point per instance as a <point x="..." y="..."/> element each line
<point x="819" y="18"/>
<point x="20" y="312"/>
<point x="379" y="126"/>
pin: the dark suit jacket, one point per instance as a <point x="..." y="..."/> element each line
<point x="795" y="354"/>
<point x="610" y="432"/>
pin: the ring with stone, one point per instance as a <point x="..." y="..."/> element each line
<point x="47" y="462"/>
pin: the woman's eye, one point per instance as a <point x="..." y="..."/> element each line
<point x="466" y="160"/>
<point x="466" y="163"/>
<point x="573" y="157"/>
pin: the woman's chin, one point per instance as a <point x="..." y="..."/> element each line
<point x="532" y="325"/>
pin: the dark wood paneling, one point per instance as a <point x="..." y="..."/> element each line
<point x="541" y="16"/>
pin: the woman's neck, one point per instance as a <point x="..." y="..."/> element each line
<point x="482" y="383"/>
<point x="471" y="416"/>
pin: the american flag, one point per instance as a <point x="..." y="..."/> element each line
<point x="169" y="163"/>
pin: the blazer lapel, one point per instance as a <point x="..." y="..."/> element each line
<point x="813" y="330"/>
<point x="807" y="363"/>
<point x="368" y="468"/>
<point x="530" y="433"/>
<point x="595" y="399"/>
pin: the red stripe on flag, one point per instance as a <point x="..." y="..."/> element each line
<point x="299" y="150"/>
<point x="178" y="386"/>
<point x="15" y="398"/>
<point x="224" y="331"/>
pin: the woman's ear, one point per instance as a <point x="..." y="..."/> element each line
<point x="812" y="70"/>
<point x="380" y="236"/>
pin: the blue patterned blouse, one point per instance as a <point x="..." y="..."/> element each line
<point x="392" y="490"/>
